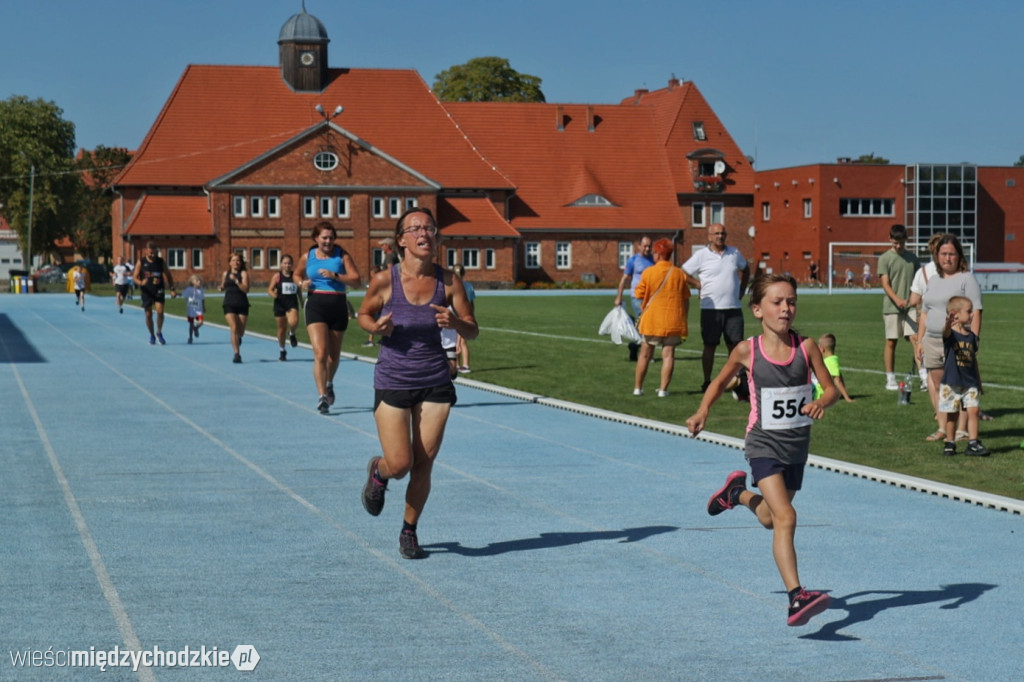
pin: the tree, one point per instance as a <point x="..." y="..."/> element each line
<point x="37" y="162"/>
<point x="871" y="158"/>
<point x="1020" y="162"/>
<point x="91" y="235"/>
<point x="486" y="79"/>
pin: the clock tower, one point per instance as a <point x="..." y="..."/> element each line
<point x="303" y="52"/>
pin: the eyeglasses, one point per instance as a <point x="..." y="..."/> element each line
<point x="425" y="229"/>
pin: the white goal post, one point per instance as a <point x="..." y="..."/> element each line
<point x="848" y="258"/>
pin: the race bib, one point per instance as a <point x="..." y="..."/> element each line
<point x="780" y="407"/>
<point x="288" y="288"/>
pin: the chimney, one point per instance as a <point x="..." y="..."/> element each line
<point x="591" y="122"/>
<point x="640" y="92"/>
<point x="673" y="83"/>
<point x="559" y="118"/>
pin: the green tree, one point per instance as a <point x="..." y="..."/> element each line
<point x="91" y="235"/>
<point x="1020" y="162"/>
<point x="871" y="158"/>
<point x="37" y="162"/>
<point x="486" y="79"/>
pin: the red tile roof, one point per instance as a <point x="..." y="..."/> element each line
<point x="621" y="160"/>
<point x="170" y="215"/>
<point x="471" y="217"/>
<point x="220" y="117"/>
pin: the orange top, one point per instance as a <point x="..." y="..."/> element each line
<point x="666" y="315"/>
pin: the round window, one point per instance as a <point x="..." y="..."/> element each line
<point x="325" y="161"/>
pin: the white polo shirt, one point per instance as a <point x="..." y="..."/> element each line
<point x="719" y="276"/>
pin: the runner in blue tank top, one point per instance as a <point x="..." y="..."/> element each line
<point x="779" y="365"/>
<point x="327" y="271"/>
<point x="407" y="305"/>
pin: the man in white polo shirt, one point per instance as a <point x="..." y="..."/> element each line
<point x="723" y="273"/>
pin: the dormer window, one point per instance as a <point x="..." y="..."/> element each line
<point x="592" y="200"/>
<point x="698" y="131"/>
<point x="325" y="161"/>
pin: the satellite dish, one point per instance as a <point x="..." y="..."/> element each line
<point x="719" y="167"/>
<point x="751" y="231"/>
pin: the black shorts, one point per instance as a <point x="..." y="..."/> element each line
<point x="329" y="309"/>
<point x="763" y="467"/>
<point x="716" y="323"/>
<point x="151" y="295"/>
<point x="121" y="289"/>
<point x="281" y="307"/>
<point x="405" y="400"/>
<point x="236" y="308"/>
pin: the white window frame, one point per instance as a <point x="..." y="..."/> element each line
<point x="699" y="133"/>
<point x="471" y="259"/>
<point x="808" y="208"/>
<point x="273" y="207"/>
<point x="489" y="262"/>
<point x="238" y="204"/>
<point x="411" y="203"/>
<point x="563" y="255"/>
<point x="256" y="207"/>
<point x="451" y="258"/>
<point x="197" y="259"/>
<point x="531" y="255"/>
<point x="308" y="207"/>
<point x="326" y="207"/>
<point x="378" y="256"/>
<point x="698" y="216"/>
<point x="325" y="160"/>
<point x="717" y="213"/>
<point x="176" y="258"/>
<point x="766" y="211"/>
<point x="343" y="207"/>
<point x="274" y="258"/>
<point x="378" y="207"/>
<point x="625" y="253"/>
<point x="394" y="207"/>
<point x="256" y="258"/>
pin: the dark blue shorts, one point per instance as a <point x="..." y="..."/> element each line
<point x="714" y="324"/>
<point x="763" y="467"/>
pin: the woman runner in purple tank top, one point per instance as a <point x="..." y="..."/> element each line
<point x="407" y="305"/>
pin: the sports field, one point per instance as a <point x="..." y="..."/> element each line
<point x="160" y="498"/>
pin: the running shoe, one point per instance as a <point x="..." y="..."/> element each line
<point x="196" y="332"/>
<point x="662" y="394"/>
<point x="464" y="370"/>
<point x="373" y="492"/>
<point x="976" y="449"/>
<point x="283" y="356"/>
<point x="160" y="338"/>
<point x="330" y="394"/>
<point x="190" y="339"/>
<point x="704" y="386"/>
<point x="323" y="406"/>
<point x="367" y="344"/>
<point x="722" y="499"/>
<point x="949" y="449"/>
<point x="806" y="605"/>
<point x="237" y="359"/>
<point x="892" y="385"/>
<point x="292" y="340"/>
<point x="152" y="340"/>
<point x="638" y="391"/>
<point x="409" y="546"/>
<point x="121" y="310"/>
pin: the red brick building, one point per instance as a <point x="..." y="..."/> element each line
<point x="250" y="158"/>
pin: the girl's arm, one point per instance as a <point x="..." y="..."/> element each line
<point x="351" y="276"/>
<point x="464" y="321"/>
<point x="816" y="408"/>
<point x="243" y="282"/>
<point x="272" y="287"/>
<point x="739" y="359"/>
<point x="377" y="293"/>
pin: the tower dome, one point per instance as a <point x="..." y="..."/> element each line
<point x="302" y="46"/>
<point x="303" y="28"/>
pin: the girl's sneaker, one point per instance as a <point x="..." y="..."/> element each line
<point x="806" y="605"/>
<point x="723" y="499"/>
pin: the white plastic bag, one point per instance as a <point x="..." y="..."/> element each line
<point x="619" y="326"/>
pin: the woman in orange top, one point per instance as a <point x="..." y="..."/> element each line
<point x="665" y="293"/>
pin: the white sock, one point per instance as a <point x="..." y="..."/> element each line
<point x="890" y="376"/>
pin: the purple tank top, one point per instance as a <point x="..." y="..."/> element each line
<point x="412" y="357"/>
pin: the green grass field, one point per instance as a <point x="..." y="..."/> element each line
<point x="549" y="345"/>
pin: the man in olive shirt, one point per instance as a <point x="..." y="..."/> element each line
<point x="896" y="268"/>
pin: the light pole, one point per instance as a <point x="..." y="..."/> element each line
<point x="31" y="191"/>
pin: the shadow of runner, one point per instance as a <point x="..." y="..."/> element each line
<point x="16" y="346"/>
<point x="550" y="541"/>
<point x="863" y="611"/>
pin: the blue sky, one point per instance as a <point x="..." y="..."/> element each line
<point x="794" y="82"/>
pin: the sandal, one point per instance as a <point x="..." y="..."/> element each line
<point x="937" y="436"/>
<point x="985" y="417"/>
<point x="962" y="435"/>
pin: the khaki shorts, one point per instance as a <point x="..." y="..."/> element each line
<point x="934" y="352"/>
<point x="663" y="340"/>
<point x="901" y="324"/>
<point x="955" y="398"/>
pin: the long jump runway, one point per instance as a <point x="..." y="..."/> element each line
<point x="160" y="498"/>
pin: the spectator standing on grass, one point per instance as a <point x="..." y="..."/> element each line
<point x="827" y="346"/>
<point x="723" y="274"/>
<point x="778" y="438"/>
<point x="635" y="266"/>
<point x="664" y="293"/>
<point x="407" y="305"/>
<point x="896" y="268"/>
<point x="961" y="383"/>
<point x="952" y="278"/>
<point x="151" y="274"/>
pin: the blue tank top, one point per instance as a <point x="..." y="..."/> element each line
<point x="412" y="357"/>
<point x="334" y="264"/>
<point x="776" y="429"/>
